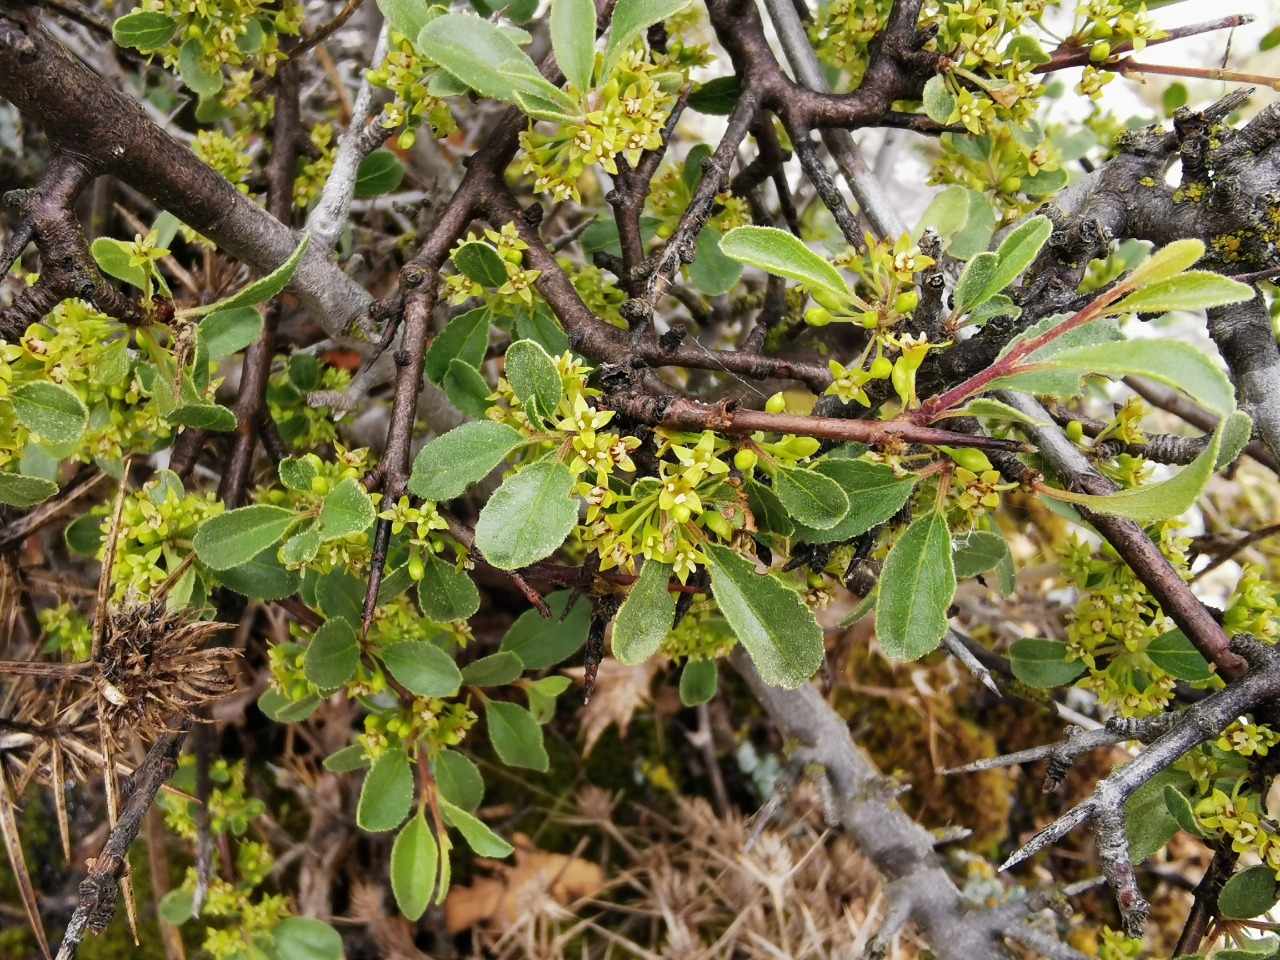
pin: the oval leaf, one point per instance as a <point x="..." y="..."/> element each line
<point x="144" y="30"/>
<point x="422" y="667"/>
<point x="776" y="628"/>
<point x="1043" y="663"/>
<point x="464" y="338"/>
<point x="645" y="616"/>
<point x="19" y="491"/>
<point x="302" y="938"/>
<point x="875" y="494"/>
<point x="54" y="413"/>
<point x="262" y="290"/>
<point x="379" y="173"/>
<point x="479" y="837"/>
<point x="347" y="509"/>
<point x="809" y="497"/>
<point x="631" y="18"/>
<point x="480" y="262"/>
<point x="445" y="592"/>
<point x="698" y="681"/>
<point x="332" y="655"/>
<point x="446" y="466"/>
<point x="1248" y="894"/>
<point x="540" y="642"/>
<point x="387" y="793"/>
<point x="534" y="379"/>
<point x="516" y="736"/>
<point x="237" y="536"/>
<point x="916" y="588"/>
<point x="528" y="517"/>
<point x="225" y="332"/>
<point x="784" y="255"/>
<point x="1175" y="654"/>
<point x="482" y="55"/>
<point x="459" y="779"/>
<point x="1193" y="290"/>
<point x="415" y="865"/>
<point x="573" y="38"/>
<point x="496" y="670"/>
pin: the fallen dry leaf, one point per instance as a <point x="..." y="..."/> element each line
<point x="538" y="882"/>
<point x="619" y="692"/>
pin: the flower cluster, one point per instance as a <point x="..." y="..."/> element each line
<point x="1016" y="165"/>
<point x="313" y="173"/>
<point x="405" y="73"/>
<point x="226" y="154"/>
<point x="843" y="32"/>
<point x="1115" y="621"/>
<point x="624" y="118"/>
<point x="238" y="34"/>
<point x="501" y="297"/>
<point x="157" y="524"/>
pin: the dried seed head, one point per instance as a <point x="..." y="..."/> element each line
<point x="154" y="668"/>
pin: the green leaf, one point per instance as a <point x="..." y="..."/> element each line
<point x="482" y="56"/>
<point x="387" y="793"/>
<point x="631" y="18"/>
<point x="496" y="670"/>
<point x="573" y="38"/>
<point x="974" y="280"/>
<point x="459" y="779"/>
<point x="542" y="326"/>
<point x="1180" y="809"/>
<point x="177" y="906"/>
<point x="1044" y="380"/>
<point x="205" y="416"/>
<point x="278" y="708"/>
<point x="939" y="102"/>
<point x="466" y="388"/>
<point x="784" y="255"/>
<point x="916" y="587"/>
<point x="347" y="510"/>
<point x="380" y="172"/>
<point x="229" y="331"/>
<point x="347" y="760"/>
<point x="83" y="535"/>
<point x="1043" y="663"/>
<point x="711" y="271"/>
<point x="202" y="77"/>
<point x="296" y="473"/>
<point x="54" y="413"/>
<point x="332" y="655"/>
<point x="947" y="213"/>
<point x="698" y="682"/>
<point x="1193" y="290"/>
<point x="422" y="667"/>
<point x="446" y="466"/>
<point x="480" y="263"/>
<point x="1017" y="252"/>
<point x="1175" y="654"/>
<point x="542" y="697"/>
<point x="534" y="379"/>
<point x="865" y="606"/>
<point x="769" y="514"/>
<point x="302" y="546"/>
<point x="979" y="225"/>
<point x="1164" y="263"/>
<point x="1154" y="501"/>
<point x="528" y="517"/>
<point x="979" y="552"/>
<point x="237" y="536"/>
<point x="516" y="736"/>
<point x="446" y="593"/>
<point x="112" y="364"/>
<point x="301" y="938"/>
<point x="716" y="97"/>
<point x="340" y="593"/>
<point x="645" y="616"/>
<point x="541" y="642"/>
<point x="405" y="17"/>
<point x="479" y="837"/>
<point x="112" y="257"/>
<point x="874" y="493"/>
<point x="809" y="497"/>
<point x="261" y="290"/>
<point x="991" y="409"/>
<point x="1248" y="894"/>
<point x="415" y="866"/>
<point x="1150" y="824"/>
<point x="144" y="30"/>
<point x="540" y="108"/>
<point x="260" y="578"/>
<point x="464" y="338"/>
<point x="1236" y="434"/>
<point x="776" y="628"/>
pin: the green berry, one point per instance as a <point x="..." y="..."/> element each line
<point x="776" y="404"/>
<point x="745" y="460"/>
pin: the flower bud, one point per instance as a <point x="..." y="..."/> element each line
<point x="906" y="301"/>
<point x="776" y="404"/>
<point x="745" y="460"/>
